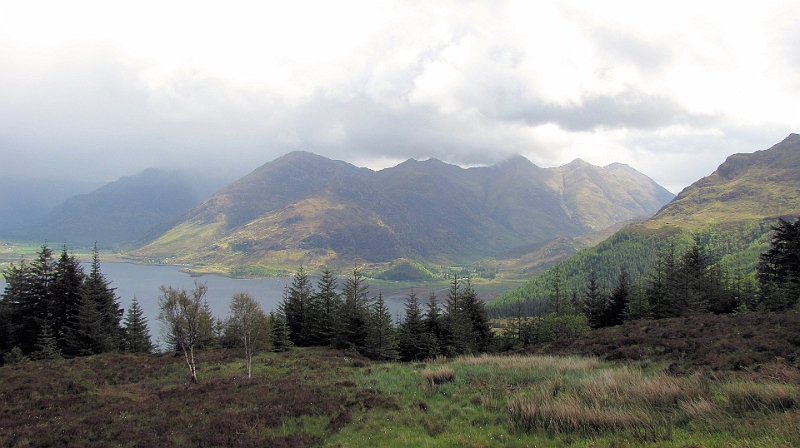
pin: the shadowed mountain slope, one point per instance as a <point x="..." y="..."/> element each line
<point x="117" y="213"/>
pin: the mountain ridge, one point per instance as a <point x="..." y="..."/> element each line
<point x="306" y="209"/>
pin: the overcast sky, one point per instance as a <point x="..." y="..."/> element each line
<point x="98" y="90"/>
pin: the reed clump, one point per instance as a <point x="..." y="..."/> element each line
<point x="609" y="400"/>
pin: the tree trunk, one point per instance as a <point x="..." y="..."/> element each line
<point x="189" y="356"/>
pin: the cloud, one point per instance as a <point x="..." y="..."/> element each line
<point x="228" y="89"/>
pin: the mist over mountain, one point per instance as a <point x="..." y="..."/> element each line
<point x="116" y="213"/>
<point x="27" y="200"/>
<point x="304" y="208"/>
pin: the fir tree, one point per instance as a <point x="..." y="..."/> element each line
<point x="296" y="306"/>
<point x="107" y="333"/>
<point x="327" y="307"/>
<point x="46" y="346"/>
<point x="433" y="337"/>
<point x="382" y="338"/>
<point x="279" y="333"/>
<point x="457" y="325"/>
<point x="594" y="303"/>
<point x="137" y="335"/>
<point x="355" y="312"/>
<point x="68" y="290"/>
<point x="779" y="268"/>
<point x="412" y="331"/>
<point x="618" y="300"/>
<point x="480" y="339"/>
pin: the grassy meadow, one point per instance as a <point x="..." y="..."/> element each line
<point x="322" y="397"/>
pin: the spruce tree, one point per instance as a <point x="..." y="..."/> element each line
<point x="46" y="346"/>
<point x="279" y="333"/>
<point x="594" y="303"/>
<point x="457" y="325"/>
<point x="480" y="339"/>
<point x="68" y="291"/>
<point x="382" y="337"/>
<point x="137" y="335"/>
<point x="107" y="333"/>
<point x="779" y="268"/>
<point x="412" y="330"/>
<point x="296" y="306"/>
<point x="327" y="307"/>
<point x="433" y="338"/>
<point x="618" y="300"/>
<point x="354" y="313"/>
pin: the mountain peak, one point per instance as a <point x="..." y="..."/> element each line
<point x="756" y="185"/>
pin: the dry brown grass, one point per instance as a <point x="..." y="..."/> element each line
<point x="546" y="363"/>
<point x="439" y="376"/>
<point x="608" y="400"/>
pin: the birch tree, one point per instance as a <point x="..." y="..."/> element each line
<point x="180" y="313"/>
<point x="249" y="324"/>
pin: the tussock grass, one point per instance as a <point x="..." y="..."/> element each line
<point x="743" y="397"/>
<point x="439" y="376"/>
<point x="546" y="363"/>
<point x="609" y="400"/>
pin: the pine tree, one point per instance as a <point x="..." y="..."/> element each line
<point x="137" y="335"/>
<point x="68" y="291"/>
<point x="433" y="337"/>
<point x="46" y="346"/>
<point x="107" y="333"/>
<point x="412" y="331"/>
<point x="779" y="268"/>
<point x="557" y="300"/>
<point x="480" y="330"/>
<point x="208" y="326"/>
<point x="296" y="306"/>
<point x="638" y="304"/>
<point x="457" y="326"/>
<point x="382" y="337"/>
<point x="355" y="312"/>
<point x="618" y="300"/>
<point x="279" y="333"/>
<point x="327" y="308"/>
<point x="594" y="303"/>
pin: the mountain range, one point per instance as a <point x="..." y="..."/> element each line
<point x="306" y="209"/>
<point x="729" y="212"/>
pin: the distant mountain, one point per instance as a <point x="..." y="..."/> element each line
<point x="730" y="213"/>
<point x="117" y="213"/>
<point x="304" y="208"/>
<point x="24" y="201"/>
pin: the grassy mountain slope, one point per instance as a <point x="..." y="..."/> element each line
<point x="303" y="208"/>
<point x="731" y="213"/>
<point x="117" y="213"/>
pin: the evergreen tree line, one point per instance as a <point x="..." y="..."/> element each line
<point x="52" y="308"/>
<point x="678" y="284"/>
<point x="354" y="320"/>
<point x="734" y="247"/>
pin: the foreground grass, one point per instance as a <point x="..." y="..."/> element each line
<point x="318" y="397"/>
<point x="558" y="401"/>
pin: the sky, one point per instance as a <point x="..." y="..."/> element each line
<point x="100" y="90"/>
